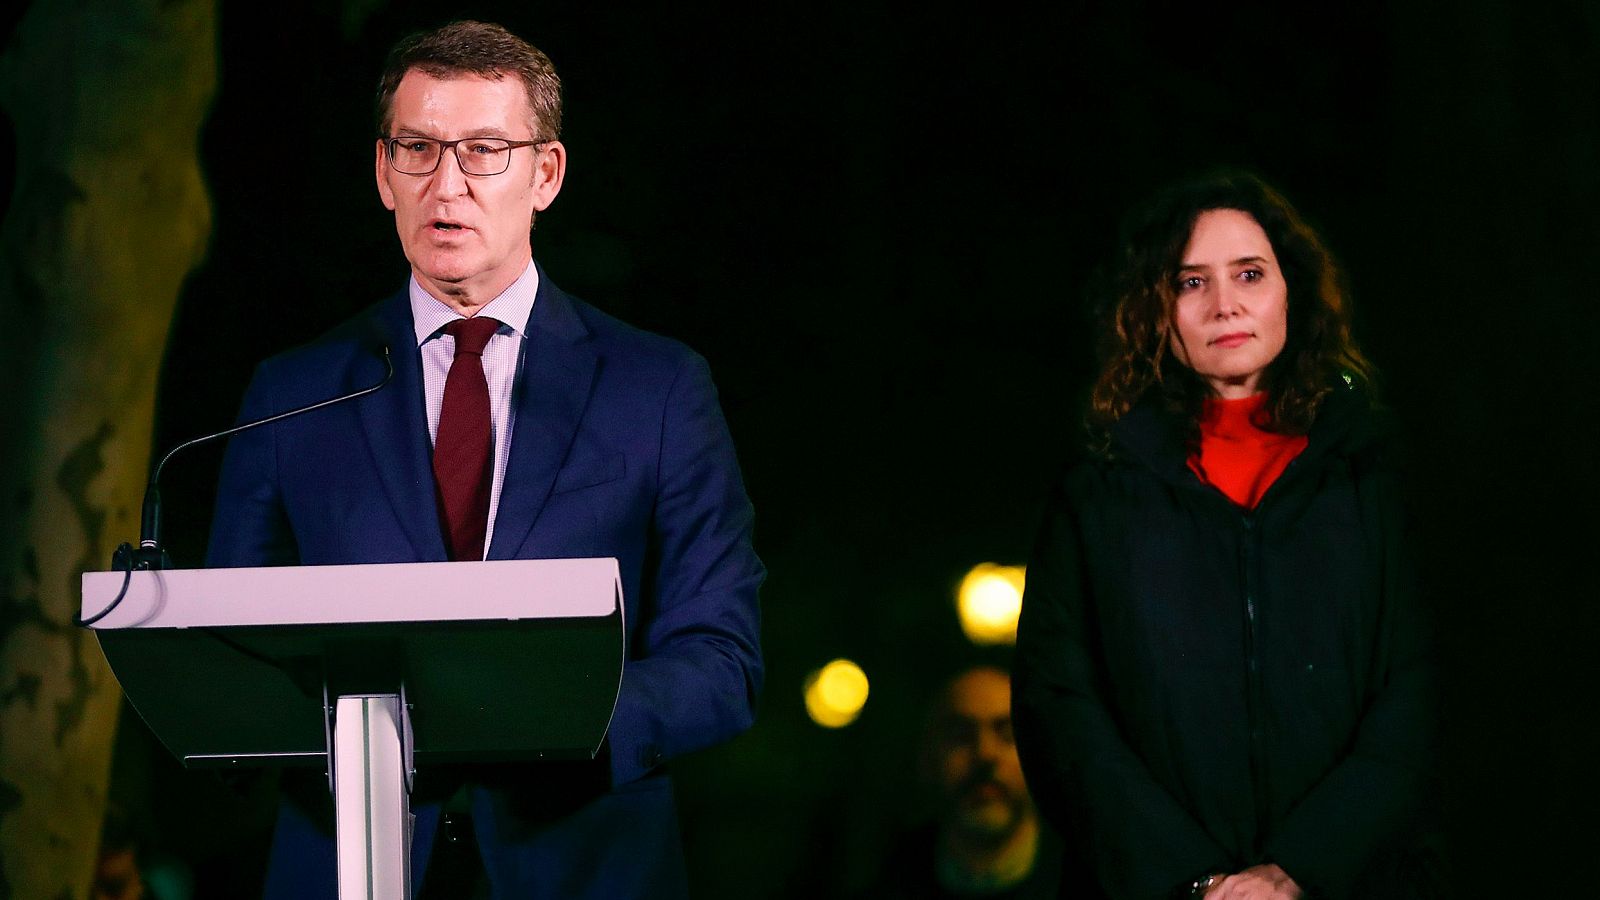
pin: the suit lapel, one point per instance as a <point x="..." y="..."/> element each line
<point x="396" y="429"/>
<point x="551" y="393"/>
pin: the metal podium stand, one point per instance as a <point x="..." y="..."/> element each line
<point x="370" y="671"/>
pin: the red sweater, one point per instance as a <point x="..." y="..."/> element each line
<point x="1236" y="457"/>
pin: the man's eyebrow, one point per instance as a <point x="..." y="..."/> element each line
<point x="490" y="132"/>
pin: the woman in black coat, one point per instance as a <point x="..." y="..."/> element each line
<point x="1222" y="688"/>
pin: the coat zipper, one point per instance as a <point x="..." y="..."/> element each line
<point x="1255" y="695"/>
<point x="1254" y="699"/>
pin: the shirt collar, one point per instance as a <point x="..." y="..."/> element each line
<point x="512" y="307"/>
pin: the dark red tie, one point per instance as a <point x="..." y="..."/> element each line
<point x="463" y="464"/>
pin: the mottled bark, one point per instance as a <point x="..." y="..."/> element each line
<point x="108" y="218"/>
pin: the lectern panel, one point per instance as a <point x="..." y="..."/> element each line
<point x="479" y="691"/>
<point x="234" y="666"/>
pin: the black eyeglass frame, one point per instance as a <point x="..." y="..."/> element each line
<point x="391" y="143"/>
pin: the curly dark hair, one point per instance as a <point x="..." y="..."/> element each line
<point x="1137" y="355"/>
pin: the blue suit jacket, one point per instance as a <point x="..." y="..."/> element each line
<point x="620" y="449"/>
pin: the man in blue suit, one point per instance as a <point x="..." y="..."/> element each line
<point x="520" y="423"/>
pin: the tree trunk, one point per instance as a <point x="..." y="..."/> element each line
<point x="108" y="218"/>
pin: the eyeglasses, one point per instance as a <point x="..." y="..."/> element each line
<point x="477" y="156"/>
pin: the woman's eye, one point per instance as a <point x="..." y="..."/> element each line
<point x="1252" y="275"/>
<point x="1191" y="283"/>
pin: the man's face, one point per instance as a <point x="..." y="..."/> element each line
<point x="975" y="759"/>
<point x="467" y="236"/>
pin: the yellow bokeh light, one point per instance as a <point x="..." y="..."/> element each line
<point x="836" y="693"/>
<point x="989" y="601"/>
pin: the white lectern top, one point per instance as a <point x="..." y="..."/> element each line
<point x="325" y="595"/>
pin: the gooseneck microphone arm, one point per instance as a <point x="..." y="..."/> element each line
<point x="150" y="554"/>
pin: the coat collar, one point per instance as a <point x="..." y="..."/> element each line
<point x="395" y="424"/>
<point x="1155" y="437"/>
<point x="552" y="390"/>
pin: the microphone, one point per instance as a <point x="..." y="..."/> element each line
<point x="150" y="554"/>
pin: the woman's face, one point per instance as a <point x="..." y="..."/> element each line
<point x="1232" y="313"/>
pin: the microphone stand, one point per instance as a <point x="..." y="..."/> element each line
<point x="150" y="554"/>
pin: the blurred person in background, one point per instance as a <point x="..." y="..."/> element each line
<point x="986" y="840"/>
<point x="128" y="868"/>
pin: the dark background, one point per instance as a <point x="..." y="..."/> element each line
<point x="878" y="225"/>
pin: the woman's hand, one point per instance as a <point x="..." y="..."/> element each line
<point x="1266" y="882"/>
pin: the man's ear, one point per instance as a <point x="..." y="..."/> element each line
<point x="549" y="171"/>
<point x="381" y="171"/>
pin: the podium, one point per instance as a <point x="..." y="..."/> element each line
<point x="370" y="671"/>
